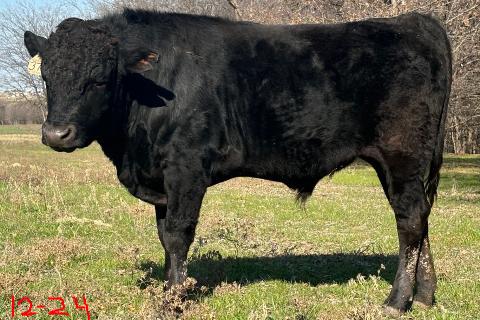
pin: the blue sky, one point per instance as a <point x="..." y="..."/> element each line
<point x="7" y="3"/>
<point x="4" y="4"/>
<point x="64" y="9"/>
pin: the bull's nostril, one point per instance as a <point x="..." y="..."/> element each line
<point x="63" y="135"/>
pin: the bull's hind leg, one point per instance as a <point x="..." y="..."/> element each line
<point x="409" y="202"/>
<point x="426" y="280"/>
<point x="406" y="194"/>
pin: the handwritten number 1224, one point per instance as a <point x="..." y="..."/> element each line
<point x="55" y="312"/>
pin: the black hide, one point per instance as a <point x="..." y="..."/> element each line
<point x="285" y="103"/>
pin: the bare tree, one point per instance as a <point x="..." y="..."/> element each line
<point x="460" y="17"/>
<point x="14" y="21"/>
<point x="206" y="7"/>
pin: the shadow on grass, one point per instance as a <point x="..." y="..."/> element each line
<point x="310" y="269"/>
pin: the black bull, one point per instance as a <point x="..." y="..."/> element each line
<point x="285" y="103"/>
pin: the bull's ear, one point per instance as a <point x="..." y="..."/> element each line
<point x="142" y="62"/>
<point x="35" y="44"/>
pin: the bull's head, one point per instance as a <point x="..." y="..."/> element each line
<point x="82" y="63"/>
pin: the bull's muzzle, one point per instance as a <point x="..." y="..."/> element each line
<point x="59" y="137"/>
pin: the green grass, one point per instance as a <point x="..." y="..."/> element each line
<point x="67" y="227"/>
<point x="20" y="129"/>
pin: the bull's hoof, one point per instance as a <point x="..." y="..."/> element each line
<point x="392" y="312"/>
<point x="181" y="288"/>
<point x="423" y="300"/>
<point x="420" y="305"/>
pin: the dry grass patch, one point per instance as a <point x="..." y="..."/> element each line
<point x="68" y="227"/>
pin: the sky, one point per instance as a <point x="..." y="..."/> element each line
<point x="4" y="4"/>
<point x="40" y="5"/>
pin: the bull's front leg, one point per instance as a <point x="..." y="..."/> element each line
<point x="161" y="213"/>
<point x="177" y="220"/>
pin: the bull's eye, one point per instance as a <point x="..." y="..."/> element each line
<point x="92" y="84"/>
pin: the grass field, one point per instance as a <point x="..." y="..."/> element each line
<point x="67" y="227"/>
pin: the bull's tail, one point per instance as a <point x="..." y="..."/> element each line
<point x="433" y="177"/>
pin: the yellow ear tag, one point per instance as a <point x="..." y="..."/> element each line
<point x="34" y="65"/>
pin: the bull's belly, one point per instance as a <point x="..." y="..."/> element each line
<point x="297" y="165"/>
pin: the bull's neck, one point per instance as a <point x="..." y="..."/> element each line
<point x="113" y="134"/>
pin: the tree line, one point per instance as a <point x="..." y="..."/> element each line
<point x="461" y="18"/>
